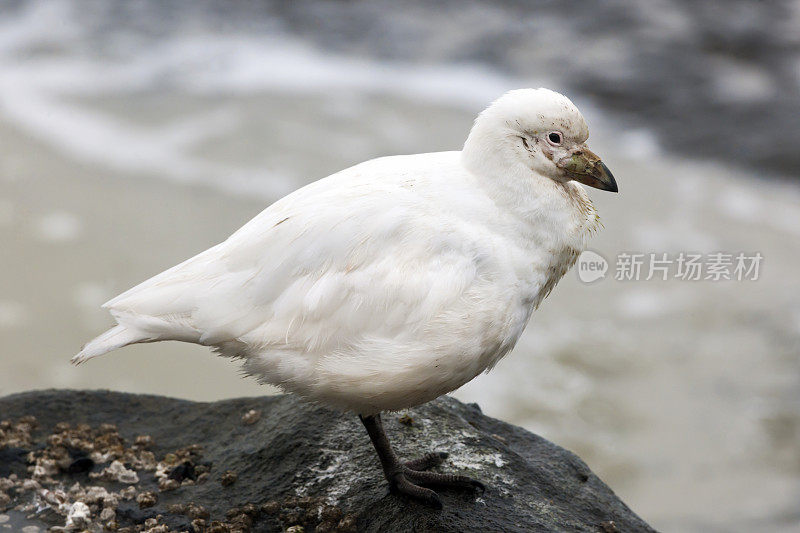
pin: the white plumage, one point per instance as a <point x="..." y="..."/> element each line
<point x="392" y="282"/>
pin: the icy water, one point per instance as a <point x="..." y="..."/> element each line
<point x="132" y="140"/>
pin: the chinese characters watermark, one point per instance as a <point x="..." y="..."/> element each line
<point x="685" y="266"/>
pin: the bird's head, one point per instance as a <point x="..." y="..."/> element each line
<point x="536" y="130"/>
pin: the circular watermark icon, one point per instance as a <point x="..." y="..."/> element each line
<point x="591" y="267"/>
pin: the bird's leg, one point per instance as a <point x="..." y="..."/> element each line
<point x="408" y="478"/>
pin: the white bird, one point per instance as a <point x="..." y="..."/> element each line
<point x="392" y="282"/>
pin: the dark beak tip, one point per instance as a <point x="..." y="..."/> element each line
<point x="610" y="181"/>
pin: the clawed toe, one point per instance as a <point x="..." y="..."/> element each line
<point x="429" y="460"/>
<point x="412" y="483"/>
<point x="402" y="485"/>
<point x="415" y="472"/>
<point x="444" y="480"/>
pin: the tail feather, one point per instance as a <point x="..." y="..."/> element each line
<point x="114" y="338"/>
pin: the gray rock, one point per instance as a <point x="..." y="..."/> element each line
<point x="301" y="464"/>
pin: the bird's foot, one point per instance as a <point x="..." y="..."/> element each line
<point x="411" y="479"/>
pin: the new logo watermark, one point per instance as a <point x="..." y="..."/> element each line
<point x="685" y="266"/>
<point x="591" y="267"/>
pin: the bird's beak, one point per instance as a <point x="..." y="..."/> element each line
<point x="585" y="167"/>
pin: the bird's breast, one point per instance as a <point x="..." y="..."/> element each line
<point x="542" y="258"/>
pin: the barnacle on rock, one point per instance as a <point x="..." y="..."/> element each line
<point x="197" y="511"/>
<point x="146" y="499"/>
<point x="143" y="441"/>
<point x="228" y="478"/>
<point x="251" y="417"/>
<point x="116" y="471"/>
<point x="79" y="516"/>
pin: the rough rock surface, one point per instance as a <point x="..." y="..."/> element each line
<point x="274" y="463"/>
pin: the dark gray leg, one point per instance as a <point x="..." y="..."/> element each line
<point x="407" y="478"/>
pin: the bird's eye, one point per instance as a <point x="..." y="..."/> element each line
<point x="554" y="137"/>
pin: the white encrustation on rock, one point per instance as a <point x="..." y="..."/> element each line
<point x="79" y="517"/>
<point x="392" y="282"/>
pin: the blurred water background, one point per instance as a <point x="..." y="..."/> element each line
<point x="135" y="134"/>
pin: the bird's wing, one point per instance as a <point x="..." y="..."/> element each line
<point x="347" y="256"/>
